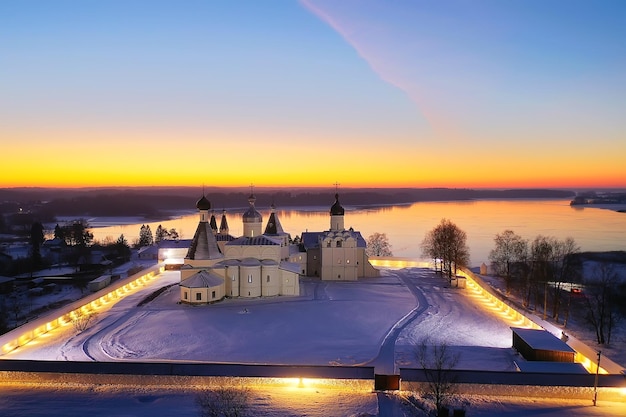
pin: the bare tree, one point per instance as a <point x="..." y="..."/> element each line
<point x="539" y="270"/>
<point x="226" y="400"/>
<point x="447" y="243"/>
<point x="602" y="306"/>
<point x="565" y="270"/>
<point x="438" y="363"/>
<point x="378" y="245"/>
<point x="510" y="251"/>
<point x="81" y="319"/>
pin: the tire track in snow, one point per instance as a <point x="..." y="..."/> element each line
<point x="384" y="362"/>
<point x="93" y="346"/>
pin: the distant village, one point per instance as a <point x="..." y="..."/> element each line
<point x="606" y="198"/>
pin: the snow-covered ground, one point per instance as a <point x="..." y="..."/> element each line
<point x="577" y="325"/>
<point x="331" y="323"/>
<point x="270" y="402"/>
<point x="372" y="321"/>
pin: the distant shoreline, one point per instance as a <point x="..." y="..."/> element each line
<point x="158" y="203"/>
<point x="106" y="221"/>
<point x="617" y="207"/>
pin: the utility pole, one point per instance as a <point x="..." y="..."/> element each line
<point x="595" y="384"/>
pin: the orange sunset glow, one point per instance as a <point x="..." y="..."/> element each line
<point x="312" y="92"/>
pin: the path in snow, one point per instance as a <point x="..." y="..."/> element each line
<point x="372" y="321"/>
<point x="385" y="362"/>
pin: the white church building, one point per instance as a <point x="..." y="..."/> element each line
<point x="253" y="265"/>
<point x="337" y="254"/>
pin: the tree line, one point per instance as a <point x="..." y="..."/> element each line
<point x="545" y="273"/>
<point x="549" y="273"/>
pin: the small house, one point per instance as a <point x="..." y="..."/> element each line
<point x="541" y="345"/>
<point x="541" y="367"/>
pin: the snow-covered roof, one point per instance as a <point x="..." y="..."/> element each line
<point x="289" y="266"/>
<point x="204" y="245"/>
<point x="202" y="279"/>
<point x="229" y="262"/>
<point x="542" y="340"/>
<point x="293" y="249"/>
<point x="148" y="249"/>
<point x="174" y="244"/>
<point x="253" y="241"/>
<point x="250" y="262"/>
<point x="311" y="239"/>
<point x="54" y="242"/>
<point x="224" y="238"/>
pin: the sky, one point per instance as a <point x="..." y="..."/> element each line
<point x="421" y="93"/>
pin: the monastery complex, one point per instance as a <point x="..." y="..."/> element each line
<point x="267" y="263"/>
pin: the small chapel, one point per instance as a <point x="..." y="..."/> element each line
<point x="337" y="254"/>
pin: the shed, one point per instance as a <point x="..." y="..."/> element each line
<point x="541" y="345"/>
<point x="542" y="367"/>
<point x="99" y="283"/>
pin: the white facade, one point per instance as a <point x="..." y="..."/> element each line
<point x="337" y="254"/>
<point x="254" y="265"/>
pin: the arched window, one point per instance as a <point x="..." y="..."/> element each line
<point x="339" y="243"/>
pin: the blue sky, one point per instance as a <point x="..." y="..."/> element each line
<point x="411" y="93"/>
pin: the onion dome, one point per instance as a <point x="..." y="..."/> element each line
<point x="336" y="209"/>
<point x="203" y="204"/>
<point x="251" y="215"/>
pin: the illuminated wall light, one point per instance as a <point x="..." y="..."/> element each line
<point x="25" y="338"/>
<point x="68" y="318"/>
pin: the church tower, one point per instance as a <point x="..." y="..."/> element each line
<point x="203" y="249"/>
<point x="252" y="220"/>
<point x="224" y="224"/>
<point x="213" y="223"/>
<point x="336" y="216"/>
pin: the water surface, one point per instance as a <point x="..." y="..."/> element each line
<point x="593" y="229"/>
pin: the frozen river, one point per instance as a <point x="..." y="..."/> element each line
<point x="594" y="229"/>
